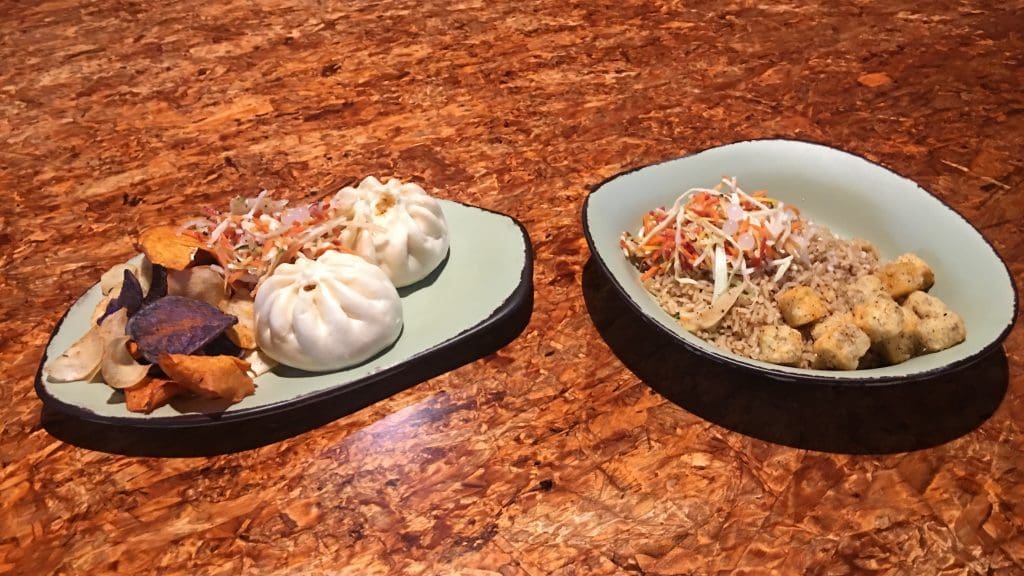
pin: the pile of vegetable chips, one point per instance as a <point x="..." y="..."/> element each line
<point x="168" y="328"/>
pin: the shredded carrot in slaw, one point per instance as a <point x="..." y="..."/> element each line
<point x="722" y="232"/>
<point x="257" y="234"/>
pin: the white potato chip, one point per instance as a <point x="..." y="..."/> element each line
<point x="242" y="334"/>
<point x="111" y="281"/>
<point x="259" y="363"/>
<point x="199" y="283"/>
<point x="100" y="309"/>
<point x="81" y="361"/>
<point x="113" y="326"/>
<point x="119" y="368"/>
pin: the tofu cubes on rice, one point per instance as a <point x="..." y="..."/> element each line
<point x="890" y="319"/>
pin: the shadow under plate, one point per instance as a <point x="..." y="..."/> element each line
<point x="235" y="436"/>
<point x="883" y="419"/>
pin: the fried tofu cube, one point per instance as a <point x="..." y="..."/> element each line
<point x="903" y="346"/>
<point x="780" y="345"/>
<point x="925" y="305"/>
<point x="940" y="332"/>
<point x="801" y="305"/>
<point x="830" y="323"/>
<point x="880" y="318"/>
<point x="924" y="270"/>
<point x="905" y="275"/>
<point x="938" y="327"/>
<point x="864" y="289"/>
<point x="842" y="348"/>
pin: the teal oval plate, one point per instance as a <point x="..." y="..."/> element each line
<point x="479" y="299"/>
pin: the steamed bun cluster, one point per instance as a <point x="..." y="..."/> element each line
<point x="341" y="309"/>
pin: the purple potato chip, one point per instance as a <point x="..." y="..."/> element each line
<point x="221" y="346"/>
<point x="157" y="284"/>
<point x="129" y="298"/>
<point x="176" y="325"/>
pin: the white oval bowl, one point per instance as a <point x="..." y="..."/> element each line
<point x="856" y="199"/>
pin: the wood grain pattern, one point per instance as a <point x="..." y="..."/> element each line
<point x="584" y="447"/>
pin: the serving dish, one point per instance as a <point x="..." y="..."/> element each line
<point x="479" y="298"/>
<point x="856" y="199"/>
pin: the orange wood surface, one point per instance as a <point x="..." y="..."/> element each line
<point x="587" y="445"/>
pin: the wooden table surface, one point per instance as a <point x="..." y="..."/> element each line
<point x="586" y="446"/>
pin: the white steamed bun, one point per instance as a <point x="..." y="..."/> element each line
<point x="410" y="238"/>
<point x="326" y="314"/>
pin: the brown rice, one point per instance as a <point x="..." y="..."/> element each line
<point x="832" y="264"/>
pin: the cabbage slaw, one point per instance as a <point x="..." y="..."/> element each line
<point x="722" y="232"/>
<point x="259" y="233"/>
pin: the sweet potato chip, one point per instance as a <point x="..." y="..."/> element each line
<point x="244" y="333"/>
<point x="166" y="246"/>
<point x="176" y="325"/>
<point x="210" y="376"/>
<point x="151" y="394"/>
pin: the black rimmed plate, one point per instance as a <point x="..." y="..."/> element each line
<point x="852" y="196"/>
<point x="477" y="301"/>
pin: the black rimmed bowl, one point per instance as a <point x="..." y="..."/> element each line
<point x="856" y="199"/>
